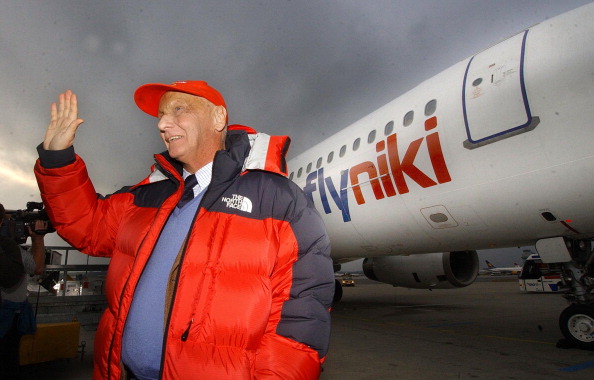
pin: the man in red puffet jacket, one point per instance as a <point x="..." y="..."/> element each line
<point x="220" y="266"/>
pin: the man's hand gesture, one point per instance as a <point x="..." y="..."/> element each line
<point x="63" y="124"/>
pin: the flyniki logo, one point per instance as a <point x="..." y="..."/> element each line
<point x="238" y="202"/>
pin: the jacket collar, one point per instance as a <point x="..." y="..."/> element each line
<point x="245" y="150"/>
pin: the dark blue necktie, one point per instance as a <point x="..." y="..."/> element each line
<point x="188" y="194"/>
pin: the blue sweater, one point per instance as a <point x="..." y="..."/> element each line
<point x="143" y="334"/>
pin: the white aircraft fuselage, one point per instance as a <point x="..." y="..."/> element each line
<point x="496" y="151"/>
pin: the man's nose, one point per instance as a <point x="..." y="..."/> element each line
<point x="164" y="122"/>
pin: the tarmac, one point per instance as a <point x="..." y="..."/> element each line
<point x="489" y="330"/>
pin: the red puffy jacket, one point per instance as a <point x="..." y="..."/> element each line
<point x="251" y="288"/>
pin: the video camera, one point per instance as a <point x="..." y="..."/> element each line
<point x="16" y="222"/>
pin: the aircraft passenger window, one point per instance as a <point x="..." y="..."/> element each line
<point x="371" y="137"/>
<point x="430" y="107"/>
<point x="291" y="176"/>
<point x="356" y="144"/>
<point x="408" y="118"/>
<point x="319" y="163"/>
<point x="389" y="128"/>
<point x="308" y="168"/>
<point x="342" y="151"/>
<point x="299" y="172"/>
<point x="330" y="157"/>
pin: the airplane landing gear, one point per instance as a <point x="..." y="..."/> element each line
<point x="577" y="320"/>
<point x="577" y="325"/>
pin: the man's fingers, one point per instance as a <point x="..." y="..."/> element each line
<point x="65" y="100"/>
<point x="73" y="106"/>
<point x="40" y="224"/>
<point x="68" y="103"/>
<point x="53" y="113"/>
<point x="60" y="105"/>
<point x="67" y="109"/>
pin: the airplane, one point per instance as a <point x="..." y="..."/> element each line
<point x="494" y="152"/>
<point x="497" y="271"/>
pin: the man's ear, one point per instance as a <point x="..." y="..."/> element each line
<point x="220" y="118"/>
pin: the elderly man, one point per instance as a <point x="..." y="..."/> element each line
<point x="229" y="278"/>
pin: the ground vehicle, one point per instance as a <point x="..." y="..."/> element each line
<point x="537" y="276"/>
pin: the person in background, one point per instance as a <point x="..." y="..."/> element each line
<point x="220" y="266"/>
<point x="16" y="314"/>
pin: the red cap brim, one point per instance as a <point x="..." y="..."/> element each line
<point x="148" y="96"/>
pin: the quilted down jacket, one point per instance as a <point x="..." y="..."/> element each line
<point x="250" y="293"/>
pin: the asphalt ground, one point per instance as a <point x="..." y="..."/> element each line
<point x="489" y="330"/>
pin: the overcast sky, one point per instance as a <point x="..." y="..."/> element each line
<point x="302" y="68"/>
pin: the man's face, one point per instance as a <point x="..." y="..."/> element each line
<point x="191" y="129"/>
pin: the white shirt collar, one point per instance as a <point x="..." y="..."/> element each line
<point x="203" y="176"/>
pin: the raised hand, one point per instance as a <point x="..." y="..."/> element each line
<point x="64" y="122"/>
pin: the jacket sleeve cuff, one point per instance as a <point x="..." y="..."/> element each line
<point x="51" y="159"/>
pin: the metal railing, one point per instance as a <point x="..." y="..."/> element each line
<point x="68" y="297"/>
<point x="64" y="269"/>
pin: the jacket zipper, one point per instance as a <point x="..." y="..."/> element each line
<point x="184" y="336"/>
<point x="167" y="173"/>
<point x="186" y="333"/>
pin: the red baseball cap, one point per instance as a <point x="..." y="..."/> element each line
<point x="148" y="96"/>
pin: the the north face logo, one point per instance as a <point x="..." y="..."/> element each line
<point x="238" y="202"/>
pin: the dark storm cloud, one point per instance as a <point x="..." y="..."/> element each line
<point x="303" y="68"/>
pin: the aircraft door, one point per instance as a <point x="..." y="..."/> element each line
<point x="496" y="77"/>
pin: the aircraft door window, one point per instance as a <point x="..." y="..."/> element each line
<point x="371" y="137"/>
<point x="430" y="107"/>
<point x="342" y="151"/>
<point x="389" y="128"/>
<point x="496" y="76"/>
<point x="356" y="144"/>
<point x="319" y="163"/>
<point x="408" y="118"/>
<point x="330" y="157"/>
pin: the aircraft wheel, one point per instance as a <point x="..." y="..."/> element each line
<point x="577" y="325"/>
<point x="337" y="292"/>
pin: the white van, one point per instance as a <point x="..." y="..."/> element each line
<point x="538" y="277"/>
